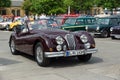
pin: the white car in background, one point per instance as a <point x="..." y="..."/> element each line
<point x="5" y="25"/>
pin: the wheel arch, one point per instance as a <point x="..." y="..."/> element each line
<point x="43" y="43"/>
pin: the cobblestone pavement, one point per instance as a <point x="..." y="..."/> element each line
<point x="105" y="65"/>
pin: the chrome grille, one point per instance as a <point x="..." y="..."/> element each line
<point x="70" y="41"/>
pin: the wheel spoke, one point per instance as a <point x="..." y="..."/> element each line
<point x="12" y="46"/>
<point x="39" y="54"/>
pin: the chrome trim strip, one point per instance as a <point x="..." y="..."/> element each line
<point x="75" y="53"/>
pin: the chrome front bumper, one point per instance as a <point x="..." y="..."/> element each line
<point x="70" y="53"/>
<point x="115" y="35"/>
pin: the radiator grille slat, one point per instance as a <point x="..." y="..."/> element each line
<point x="70" y="41"/>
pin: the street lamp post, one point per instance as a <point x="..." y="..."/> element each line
<point x="68" y="10"/>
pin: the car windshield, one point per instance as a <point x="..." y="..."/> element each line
<point x="60" y="20"/>
<point x="42" y="24"/>
<point x="103" y="21"/>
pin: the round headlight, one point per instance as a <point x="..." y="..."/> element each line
<point x="86" y="27"/>
<point x="111" y="29"/>
<point x="87" y="45"/>
<point x="59" y="40"/>
<point x="97" y="28"/>
<point x="84" y="38"/>
<point x="59" y="48"/>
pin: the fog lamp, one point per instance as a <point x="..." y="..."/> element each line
<point x="87" y="45"/>
<point x="59" y="47"/>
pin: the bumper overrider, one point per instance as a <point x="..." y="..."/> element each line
<point x="70" y="53"/>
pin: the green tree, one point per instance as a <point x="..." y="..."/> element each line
<point x="5" y="3"/>
<point x="44" y="6"/>
<point x="110" y="4"/>
<point x="26" y="6"/>
<point x="61" y="6"/>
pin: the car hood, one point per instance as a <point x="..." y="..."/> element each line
<point x="2" y="23"/>
<point x="52" y="33"/>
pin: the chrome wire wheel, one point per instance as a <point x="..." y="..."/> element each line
<point x="12" y="46"/>
<point x="39" y="54"/>
<point x="104" y="34"/>
<point x="84" y="58"/>
<point x="7" y="27"/>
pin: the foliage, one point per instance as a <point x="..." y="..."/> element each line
<point x="61" y="6"/>
<point x="109" y="4"/>
<point x="5" y="3"/>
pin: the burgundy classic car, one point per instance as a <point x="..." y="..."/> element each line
<point x="115" y="32"/>
<point x="44" y="41"/>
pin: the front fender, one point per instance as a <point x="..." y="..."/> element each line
<point x="46" y="42"/>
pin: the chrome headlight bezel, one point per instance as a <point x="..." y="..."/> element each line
<point x="59" y="40"/>
<point x="86" y="27"/>
<point x="84" y="38"/>
<point x="111" y="29"/>
<point x="98" y="28"/>
<point x="59" y="47"/>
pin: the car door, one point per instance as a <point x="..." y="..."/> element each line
<point x="23" y="40"/>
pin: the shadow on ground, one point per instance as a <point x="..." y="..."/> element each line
<point x="66" y="61"/>
<point x="4" y="61"/>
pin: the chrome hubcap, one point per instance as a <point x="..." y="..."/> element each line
<point x="39" y="54"/>
<point x="12" y="46"/>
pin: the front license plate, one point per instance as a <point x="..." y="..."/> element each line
<point x="67" y="53"/>
<point x="71" y="53"/>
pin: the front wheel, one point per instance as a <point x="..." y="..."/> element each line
<point x="84" y="58"/>
<point x="13" y="47"/>
<point x="7" y="28"/>
<point x="105" y="34"/>
<point x="112" y="37"/>
<point x="39" y="55"/>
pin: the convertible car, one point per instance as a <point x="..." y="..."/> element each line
<point x="44" y="40"/>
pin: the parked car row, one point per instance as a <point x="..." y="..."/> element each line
<point x="8" y="24"/>
<point x="103" y="25"/>
<point x="46" y="39"/>
<point x="96" y="26"/>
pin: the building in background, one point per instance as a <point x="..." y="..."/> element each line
<point x="16" y="8"/>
